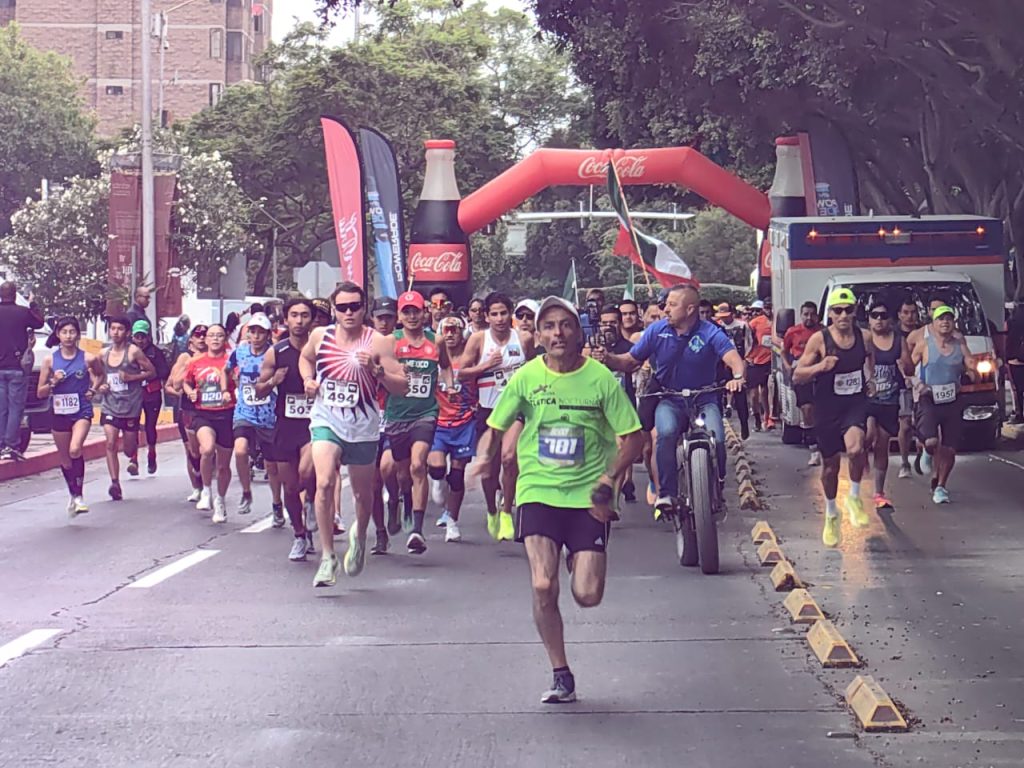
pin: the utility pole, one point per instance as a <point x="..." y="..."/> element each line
<point x="273" y="260"/>
<point x="148" y="208"/>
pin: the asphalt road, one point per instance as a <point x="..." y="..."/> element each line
<point x="433" y="660"/>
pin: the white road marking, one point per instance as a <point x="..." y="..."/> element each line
<point x="25" y="643"/>
<point x="260" y="525"/>
<point x="162" y="574"/>
<point x="1006" y="461"/>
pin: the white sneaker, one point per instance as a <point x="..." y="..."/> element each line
<point x="245" y="505"/>
<point x="815" y="460"/>
<point x="310" y="513"/>
<point x="443" y="520"/>
<point x="452" y="532"/>
<point x="205" y="499"/>
<point x="220" y="514"/>
<point x="193" y="497"/>
<point x="298" y="549"/>
<point x="905" y="471"/>
<point x="80" y="506"/>
<point x="437" y="492"/>
<point x="71" y="508"/>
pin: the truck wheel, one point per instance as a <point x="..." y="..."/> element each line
<point x="792" y="434"/>
<point x="24" y="436"/>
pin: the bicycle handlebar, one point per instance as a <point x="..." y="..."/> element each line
<point x="687" y="392"/>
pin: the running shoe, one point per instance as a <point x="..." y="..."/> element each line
<point x="151" y="464"/>
<point x="855" y="508"/>
<point x="278" y="516"/>
<point x="940" y="495"/>
<point x="437" y="492"/>
<point x="443" y="520"/>
<point x="310" y="513"/>
<point x="905" y="471"/>
<point x="5" y="454"/>
<point x="415" y="543"/>
<point x="506" y="526"/>
<point x="394" y="521"/>
<point x="133" y="467"/>
<point x="408" y="521"/>
<point x="815" y="459"/>
<point x="205" y="500"/>
<point x="327" y="573"/>
<point x="339" y="527"/>
<point x="926" y="463"/>
<point x="380" y="546"/>
<point x="663" y="504"/>
<point x="831" y="535"/>
<point x="310" y="547"/>
<point x="220" y="512"/>
<point x="355" y="557"/>
<point x="14" y="453"/>
<point x="245" y="505"/>
<point x="298" y="549"/>
<point x="629" y="492"/>
<point x="452" y="532"/>
<point x="71" y="507"/>
<point x="80" y="506"/>
<point x="115" y="491"/>
<point x="193" y="497"/>
<point x="562" y="690"/>
<point x="769" y="424"/>
<point x="493" y="524"/>
<point x="882" y="502"/>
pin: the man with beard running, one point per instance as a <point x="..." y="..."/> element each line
<point x="493" y="356"/>
<point x="290" y="451"/>
<point x="839" y="360"/>
<point x="455" y="438"/>
<point x="410" y="418"/>
<point x="580" y="434"/>
<point x="341" y="366"/>
<point x="126" y="367"/>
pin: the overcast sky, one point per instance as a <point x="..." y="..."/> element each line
<point x="287" y="11"/>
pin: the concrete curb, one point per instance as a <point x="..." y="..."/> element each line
<point x="94" y="448"/>
<point x="749" y="496"/>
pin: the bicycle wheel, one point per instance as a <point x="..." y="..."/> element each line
<point x="686" y="537"/>
<point x="702" y="509"/>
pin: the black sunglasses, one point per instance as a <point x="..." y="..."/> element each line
<point x="523" y="315"/>
<point x="352" y="306"/>
<point x="843" y="310"/>
<point x="879" y="315"/>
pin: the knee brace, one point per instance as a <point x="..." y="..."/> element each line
<point x="457" y="479"/>
<point x="436" y="473"/>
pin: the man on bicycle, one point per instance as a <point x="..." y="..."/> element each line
<point x="684" y="352"/>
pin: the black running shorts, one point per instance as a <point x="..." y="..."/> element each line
<point x="831" y="424"/>
<point x="575" y="529"/>
<point x="886" y="416"/>
<point x="931" y="418"/>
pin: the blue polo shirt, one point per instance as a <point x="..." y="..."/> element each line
<point x="683" y="361"/>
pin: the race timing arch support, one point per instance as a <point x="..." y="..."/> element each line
<point x="682" y="166"/>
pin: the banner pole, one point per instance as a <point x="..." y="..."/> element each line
<point x="632" y="230"/>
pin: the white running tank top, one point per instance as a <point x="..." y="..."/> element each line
<point x="347" y="400"/>
<point x="492" y="383"/>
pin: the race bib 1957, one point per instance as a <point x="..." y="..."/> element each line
<point x="943" y="393"/>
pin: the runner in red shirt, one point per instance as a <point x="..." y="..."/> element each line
<point x="759" y="365"/>
<point x="793" y="344"/>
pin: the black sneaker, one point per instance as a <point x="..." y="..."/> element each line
<point x="278" y="518"/>
<point x="562" y="691"/>
<point x="14" y="453"/>
<point x="380" y="546"/>
<point x="151" y="464"/>
<point x="133" y="467"/>
<point x="394" y="519"/>
<point x="629" y="492"/>
<point x="115" y="491"/>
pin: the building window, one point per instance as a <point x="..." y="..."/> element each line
<point x="8" y="3"/>
<point x="235" y="46"/>
<point x="235" y="3"/>
<point x="165" y="119"/>
<point x="216" y="89"/>
<point x="112" y="34"/>
<point x="216" y="43"/>
<point x="257" y="24"/>
<point x="115" y="90"/>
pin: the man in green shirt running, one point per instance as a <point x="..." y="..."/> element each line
<point x="569" y="469"/>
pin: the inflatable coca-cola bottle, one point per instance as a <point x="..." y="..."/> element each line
<point x="438" y="248"/>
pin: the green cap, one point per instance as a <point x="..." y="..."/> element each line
<point x="942" y="310"/>
<point x="841" y="296"/>
<point x="140" y="326"/>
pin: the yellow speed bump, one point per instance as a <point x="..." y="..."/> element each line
<point x="762" y="532"/>
<point x="873" y="707"/>
<point x="829" y="646"/>
<point x="747" y="487"/>
<point x="802" y="608"/>
<point x="769" y="553"/>
<point x="784" y="578"/>
<point x="749" y="501"/>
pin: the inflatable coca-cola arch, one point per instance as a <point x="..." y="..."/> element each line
<point x="439" y="250"/>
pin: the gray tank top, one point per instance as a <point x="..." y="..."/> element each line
<point x="942" y="372"/>
<point x="125" y="397"/>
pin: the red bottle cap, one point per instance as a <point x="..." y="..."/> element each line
<point x="439" y="144"/>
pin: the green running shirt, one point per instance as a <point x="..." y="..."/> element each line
<point x="421" y="364"/>
<point x="568" y="441"/>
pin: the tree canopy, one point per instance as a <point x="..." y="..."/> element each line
<point x="45" y="131"/>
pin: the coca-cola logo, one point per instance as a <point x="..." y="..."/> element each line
<point x="438" y="262"/>
<point x="348" y="241"/>
<point x="628" y="167"/>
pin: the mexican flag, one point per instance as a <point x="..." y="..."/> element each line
<point x="649" y="253"/>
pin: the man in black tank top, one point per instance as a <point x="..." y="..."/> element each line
<point x="290" y="451"/>
<point x="840" y="361"/>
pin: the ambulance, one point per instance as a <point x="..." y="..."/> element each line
<point x="960" y="258"/>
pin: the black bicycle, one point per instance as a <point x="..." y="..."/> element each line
<point x="699" y="500"/>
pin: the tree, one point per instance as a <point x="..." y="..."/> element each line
<point x="67" y="234"/>
<point x="46" y="132"/>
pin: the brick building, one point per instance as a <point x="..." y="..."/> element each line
<point x="210" y="44"/>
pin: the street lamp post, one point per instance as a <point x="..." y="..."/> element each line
<point x="148" y="208"/>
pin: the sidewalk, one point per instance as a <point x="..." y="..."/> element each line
<point x="42" y="454"/>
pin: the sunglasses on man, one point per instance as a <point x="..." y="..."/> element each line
<point x="347" y="307"/>
<point x="523" y="315"/>
<point x="879" y="315"/>
<point x="845" y="310"/>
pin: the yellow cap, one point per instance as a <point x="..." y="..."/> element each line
<point x="841" y="296"/>
<point x="942" y="310"/>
